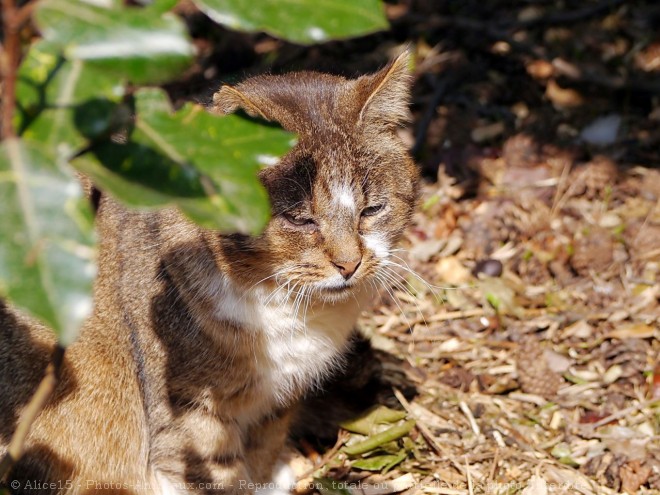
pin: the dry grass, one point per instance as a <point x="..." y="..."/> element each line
<point x="541" y="379"/>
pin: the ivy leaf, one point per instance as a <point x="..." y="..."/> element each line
<point x="300" y="21"/>
<point x="47" y="260"/>
<point x="64" y="103"/>
<point x="205" y="164"/>
<point x="379" y="439"/>
<point x="380" y="462"/>
<point x="367" y="422"/>
<point x="159" y="6"/>
<point x="133" y="43"/>
<point x="328" y="486"/>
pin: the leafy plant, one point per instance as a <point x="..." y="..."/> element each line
<point x="377" y="444"/>
<point x="74" y="104"/>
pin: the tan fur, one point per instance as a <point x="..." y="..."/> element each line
<point x="200" y="344"/>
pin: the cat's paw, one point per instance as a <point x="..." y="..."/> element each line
<point x="283" y="481"/>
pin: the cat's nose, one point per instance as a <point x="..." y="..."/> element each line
<point x="347" y="268"/>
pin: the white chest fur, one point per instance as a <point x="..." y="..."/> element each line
<point x="294" y="345"/>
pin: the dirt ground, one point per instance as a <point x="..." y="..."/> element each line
<point x="520" y="330"/>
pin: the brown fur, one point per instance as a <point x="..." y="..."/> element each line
<point x="200" y="343"/>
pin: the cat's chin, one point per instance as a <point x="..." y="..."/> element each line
<point x="338" y="294"/>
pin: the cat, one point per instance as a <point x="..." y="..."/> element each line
<point x="186" y="376"/>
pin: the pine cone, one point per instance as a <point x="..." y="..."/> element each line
<point x="534" y="374"/>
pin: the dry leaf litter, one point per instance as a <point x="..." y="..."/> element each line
<point x="526" y="322"/>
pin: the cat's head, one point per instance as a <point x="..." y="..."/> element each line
<point x="343" y="195"/>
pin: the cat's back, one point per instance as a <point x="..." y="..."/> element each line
<point x="92" y="427"/>
<point x="25" y="348"/>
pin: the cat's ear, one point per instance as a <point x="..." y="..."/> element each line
<point x="383" y="97"/>
<point x="258" y="97"/>
<point x="229" y="99"/>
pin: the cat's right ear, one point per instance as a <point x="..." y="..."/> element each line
<point x="264" y="97"/>
<point x="230" y="99"/>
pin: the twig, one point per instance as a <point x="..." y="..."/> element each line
<point x="24" y="13"/>
<point x="496" y="460"/>
<point x="31" y="411"/>
<point x="426" y="433"/>
<point x="566" y="192"/>
<point x="623" y="413"/>
<point x="420" y="426"/>
<point x="470" y="417"/>
<point x="469" y="478"/>
<point x="471" y="313"/>
<point x="341" y="440"/>
<point x="8" y="64"/>
<point x="452" y="315"/>
<point x="561" y="187"/>
<point x="13" y="19"/>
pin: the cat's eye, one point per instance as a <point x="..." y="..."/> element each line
<point x="370" y="211"/>
<point x="299" y="221"/>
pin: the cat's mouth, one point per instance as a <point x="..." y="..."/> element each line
<point x="339" y="289"/>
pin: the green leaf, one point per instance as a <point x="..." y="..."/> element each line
<point x="574" y="379"/>
<point x="63" y="103"/>
<point x="133" y="43"/>
<point x="47" y="260"/>
<point x="327" y="486"/>
<point x="205" y="164"/>
<point x="493" y="300"/>
<point x="379" y="439"/>
<point x="380" y="462"/>
<point x="366" y="423"/>
<point x="159" y="6"/>
<point x="300" y="21"/>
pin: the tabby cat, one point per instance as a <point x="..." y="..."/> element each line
<point x="200" y="344"/>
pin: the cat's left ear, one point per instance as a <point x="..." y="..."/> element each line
<point x="384" y="96"/>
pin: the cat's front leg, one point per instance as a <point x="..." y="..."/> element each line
<point x="199" y="454"/>
<point x="203" y="478"/>
<point x="264" y="445"/>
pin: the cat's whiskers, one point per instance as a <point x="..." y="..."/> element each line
<point x="274" y="275"/>
<point x="291" y="287"/>
<point x="388" y="277"/>
<point x="385" y="285"/>
<point x="294" y="290"/>
<point x="388" y="282"/>
<point x="297" y="290"/>
<point x="433" y="288"/>
<point x="404" y="284"/>
<point x="269" y="297"/>
<point x="276" y="291"/>
<point x="309" y="293"/>
<point x="300" y="294"/>
<point x="400" y="283"/>
<point x="404" y="266"/>
<point x="355" y="298"/>
<point x="308" y="301"/>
